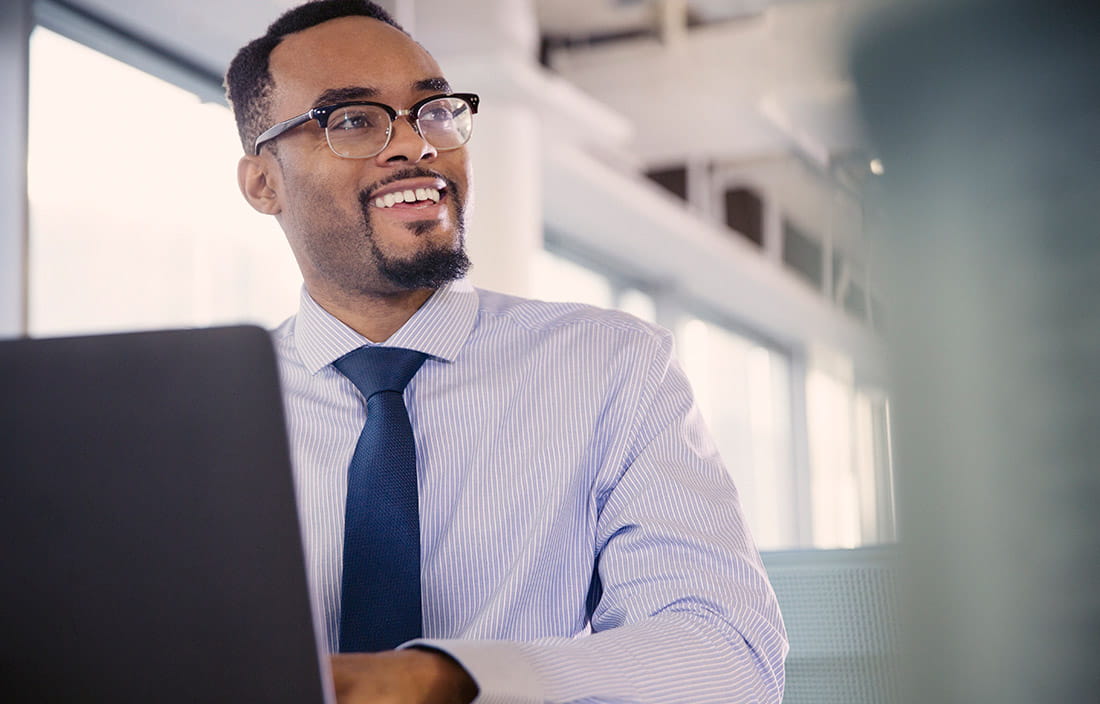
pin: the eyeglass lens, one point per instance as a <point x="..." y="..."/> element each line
<point x="364" y="130"/>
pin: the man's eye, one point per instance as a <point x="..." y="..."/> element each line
<point x="437" y="115"/>
<point x="353" y="121"/>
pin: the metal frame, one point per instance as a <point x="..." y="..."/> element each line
<point x="15" y="31"/>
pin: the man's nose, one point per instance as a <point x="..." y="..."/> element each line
<point x="406" y="145"/>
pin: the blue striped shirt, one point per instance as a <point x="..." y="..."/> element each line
<point x="581" y="540"/>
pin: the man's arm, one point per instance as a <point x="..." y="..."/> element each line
<point x="686" y="612"/>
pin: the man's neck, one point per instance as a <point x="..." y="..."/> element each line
<point x="375" y="317"/>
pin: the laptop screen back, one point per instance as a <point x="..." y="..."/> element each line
<point x="152" y="549"/>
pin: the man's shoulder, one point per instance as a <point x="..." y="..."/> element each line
<point x="539" y="316"/>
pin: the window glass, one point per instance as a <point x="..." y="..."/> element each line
<point x="556" y="278"/>
<point x="851" y="484"/>
<point x="743" y="392"/>
<point x="136" y="220"/>
<point x="834" y="485"/>
<point x="874" y="467"/>
<point x="638" y="304"/>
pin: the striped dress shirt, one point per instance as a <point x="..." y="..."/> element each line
<point x="581" y="540"/>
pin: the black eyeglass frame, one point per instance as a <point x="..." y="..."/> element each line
<point x="323" y="112"/>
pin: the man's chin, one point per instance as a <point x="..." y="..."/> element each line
<point x="430" y="268"/>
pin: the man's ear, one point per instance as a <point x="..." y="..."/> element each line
<point x="257" y="178"/>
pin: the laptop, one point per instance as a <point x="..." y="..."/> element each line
<point x="151" y="542"/>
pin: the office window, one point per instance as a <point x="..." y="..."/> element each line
<point x="743" y="389"/>
<point x="834" y="486"/>
<point x="673" y="179"/>
<point x="874" y="467"/>
<point x="557" y="278"/>
<point x="743" y="392"/>
<point x="803" y="254"/>
<point x="745" y="213"/>
<point x="851" y="482"/>
<point x="637" y="303"/>
<point x="136" y="220"/>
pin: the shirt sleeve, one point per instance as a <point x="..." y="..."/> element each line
<point x="685" y="612"/>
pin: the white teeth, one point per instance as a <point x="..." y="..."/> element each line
<point x="407" y="196"/>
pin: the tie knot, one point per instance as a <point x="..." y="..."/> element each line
<point x="373" y="369"/>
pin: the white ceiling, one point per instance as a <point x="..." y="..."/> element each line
<point x="577" y="18"/>
<point x="763" y="83"/>
<point x="770" y="80"/>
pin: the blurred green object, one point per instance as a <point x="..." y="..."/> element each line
<point x="987" y="117"/>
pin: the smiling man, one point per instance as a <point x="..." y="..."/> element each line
<point x="376" y="219"/>
<point x="501" y="499"/>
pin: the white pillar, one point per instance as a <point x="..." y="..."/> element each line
<point x="506" y="223"/>
<point x="672" y="20"/>
<point x="474" y="27"/>
<point x="499" y="38"/>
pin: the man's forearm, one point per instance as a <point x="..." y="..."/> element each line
<point x="671" y="658"/>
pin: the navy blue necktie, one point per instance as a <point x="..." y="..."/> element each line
<point x="380" y="592"/>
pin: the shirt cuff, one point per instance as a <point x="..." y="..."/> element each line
<point x="502" y="673"/>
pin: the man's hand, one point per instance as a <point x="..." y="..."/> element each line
<point x="410" y="676"/>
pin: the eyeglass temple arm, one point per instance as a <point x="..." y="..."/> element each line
<point x="278" y="129"/>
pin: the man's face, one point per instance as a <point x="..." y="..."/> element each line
<point x="345" y="242"/>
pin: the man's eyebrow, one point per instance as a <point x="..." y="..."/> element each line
<point x="437" y="83"/>
<point x="342" y="95"/>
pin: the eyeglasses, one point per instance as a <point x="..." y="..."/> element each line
<point x="361" y="129"/>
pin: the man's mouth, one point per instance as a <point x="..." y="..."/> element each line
<point x="410" y="193"/>
<point x="410" y="197"/>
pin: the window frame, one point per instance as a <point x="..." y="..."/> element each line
<point x="16" y="23"/>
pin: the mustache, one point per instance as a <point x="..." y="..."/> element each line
<point x="401" y="174"/>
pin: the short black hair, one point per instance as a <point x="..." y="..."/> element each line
<point x="248" y="80"/>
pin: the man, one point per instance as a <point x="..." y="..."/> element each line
<point x="578" y="537"/>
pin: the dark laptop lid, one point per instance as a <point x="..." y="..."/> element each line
<point x="152" y="549"/>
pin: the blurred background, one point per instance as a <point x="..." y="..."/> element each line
<point x="694" y="163"/>
<point x="705" y="165"/>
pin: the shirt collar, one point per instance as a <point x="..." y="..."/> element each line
<point x="439" y="328"/>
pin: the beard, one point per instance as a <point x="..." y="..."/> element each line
<point x="430" y="267"/>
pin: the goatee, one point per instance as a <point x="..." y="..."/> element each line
<point x="434" y="265"/>
<point x="430" y="268"/>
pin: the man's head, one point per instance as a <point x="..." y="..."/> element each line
<point x="349" y="238"/>
<point x="248" y="82"/>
